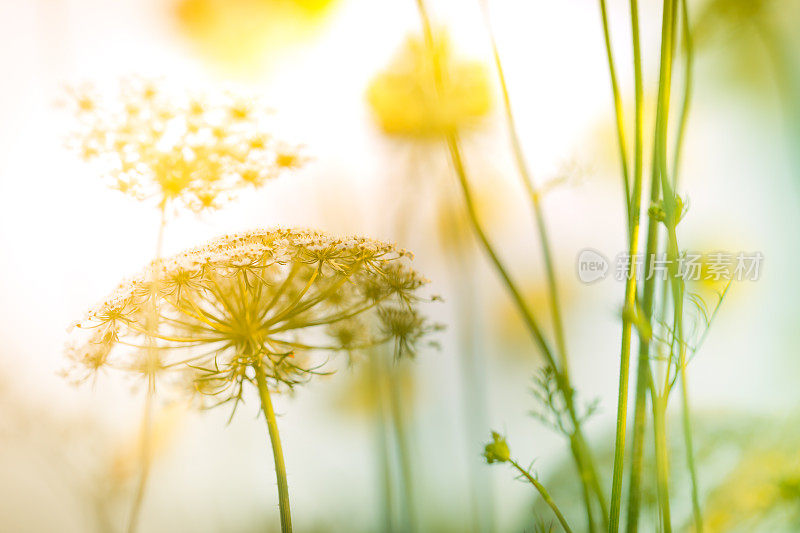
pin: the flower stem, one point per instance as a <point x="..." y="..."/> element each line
<point x="688" y="52"/>
<point x="534" y="197"/>
<point x="403" y="449"/>
<point x="659" y="185"/>
<point x="662" y="459"/>
<point x="277" y="450"/>
<point x="630" y="287"/>
<point x="545" y="495"/>
<point x="583" y="459"/>
<point x="621" y="141"/>
<point x="147" y="415"/>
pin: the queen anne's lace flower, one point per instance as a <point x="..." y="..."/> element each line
<point x="279" y="300"/>
<point x="193" y="150"/>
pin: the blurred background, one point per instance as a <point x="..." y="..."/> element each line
<point x="68" y="454"/>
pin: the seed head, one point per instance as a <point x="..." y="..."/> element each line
<point x="194" y="150"/>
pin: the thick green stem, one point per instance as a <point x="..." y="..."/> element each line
<point x="277" y="450"/>
<point x="660" y="185"/>
<point x="630" y="287"/>
<point x="662" y="460"/>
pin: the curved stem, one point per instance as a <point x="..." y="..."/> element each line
<point x="585" y="463"/>
<point x="620" y="117"/>
<point x="534" y="197"/>
<point x="527" y="315"/>
<point x="543" y="492"/>
<point x="277" y="450"/>
<point x="688" y="51"/>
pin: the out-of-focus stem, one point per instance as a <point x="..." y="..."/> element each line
<point x="404" y="452"/>
<point x="277" y="450"/>
<point x="152" y="359"/>
<point x="378" y="375"/>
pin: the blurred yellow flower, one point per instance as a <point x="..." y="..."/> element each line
<point x="763" y="482"/>
<point x="238" y="33"/>
<point x="405" y="100"/>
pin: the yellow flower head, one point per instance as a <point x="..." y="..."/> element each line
<point x="426" y="93"/>
<point x="192" y="150"/>
<point x="272" y="299"/>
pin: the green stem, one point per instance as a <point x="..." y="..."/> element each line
<point x="659" y="185"/>
<point x="688" y="52"/>
<point x="277" y="450"/>
<point x="687" y="436"/>
<point x="686" y="411"/>
<point x="620" y="120"/>
<point x="630" y="287"/>
<point x="662" y="459"/>
<point x="543" y="492"/>
<point x="534" y="197"/>
<point x="585" y="463"/>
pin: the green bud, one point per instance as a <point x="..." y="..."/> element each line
<point x="497" y="450"/>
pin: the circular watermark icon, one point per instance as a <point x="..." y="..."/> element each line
<point x="592" y="266"/>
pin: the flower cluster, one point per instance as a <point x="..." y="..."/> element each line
<point x="278" y="300"/>
<point x="192" y="149"/>
<point x="425" y="94"/>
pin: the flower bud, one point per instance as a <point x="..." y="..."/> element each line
<point x="497" y="450"/>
